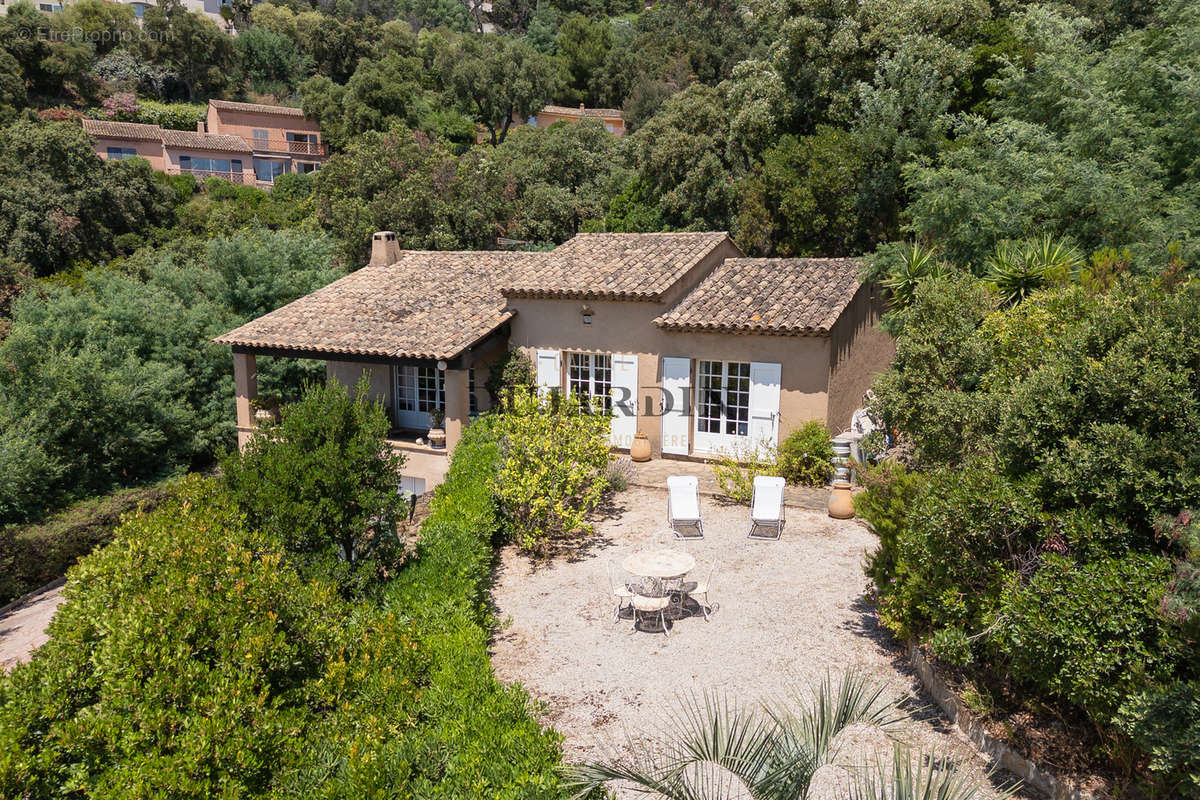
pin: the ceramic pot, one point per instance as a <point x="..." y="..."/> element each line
<point x="841" y="503"/>
<point x="640" y="449"/>
<point x="437" y="437"/>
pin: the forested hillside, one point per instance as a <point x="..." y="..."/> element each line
<point x="805" y="128"/>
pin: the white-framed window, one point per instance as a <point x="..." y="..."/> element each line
<point x="118" y="153"/>
<point x="722" y="403"/>
<point x="417" y="391"/>
<point x="589" y="375"/>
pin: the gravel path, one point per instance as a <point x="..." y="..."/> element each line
<point x="788" y="612"/>
<point x="23" y="628"/>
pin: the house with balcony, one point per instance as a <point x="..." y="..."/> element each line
<point x="679" y="335"/>
<point x="281" y="138"/>
<point x="246" y="143"/>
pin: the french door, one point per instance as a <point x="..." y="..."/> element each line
<point x="589" y="375"/>
<point x="418" y="390"/>
<point x="722" y="405"/>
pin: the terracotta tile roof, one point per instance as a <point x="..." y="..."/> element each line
<point x="205" y="141"/>
<point x="257" y="108"/>
<point x="122" y="130"/>
<point x="788" y="296"/>
<point x="622" y="266"/>
<point x="583" y="112"/>
<point x="426" y="305"/>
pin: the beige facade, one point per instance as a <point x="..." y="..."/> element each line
<point x="151" y="150"/>
<point x="699" y="348"/>
<point x="611" y="118"/>
<point x="281" y="140"/>
<point x="245" y="143"/>
<point x="815" y="383"/>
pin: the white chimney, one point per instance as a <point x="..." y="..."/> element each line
<point x="384" y="249"/>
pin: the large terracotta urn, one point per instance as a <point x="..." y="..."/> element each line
<point x="841" y="503"/>
<point x="640" y="449"/>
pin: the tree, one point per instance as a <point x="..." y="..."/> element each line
<point x="190" y="44"/>
<point x="104" y="25"/>
<point x="560" y="178"/>
<point x="60" y="203"/>
<point x="324" y="479"/>
<point x="681" y="157"/>
<point x="96" y="392"/>
<point x="583" y="45"/>
<point x="802" y="199"/>
<point x="412" y="184"/>
<point x="270" y="61"/>
<point x="498" y="81"/>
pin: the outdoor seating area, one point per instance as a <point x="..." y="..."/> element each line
<point x="653" y="583"/>
<point x="612" y="632"/>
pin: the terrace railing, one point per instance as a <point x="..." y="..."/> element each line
<point x="288" y="146"/>
<point x="236" y="177"/>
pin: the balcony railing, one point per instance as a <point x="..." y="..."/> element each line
<point x="289" y="146"/>
<point x="236" y="177"/>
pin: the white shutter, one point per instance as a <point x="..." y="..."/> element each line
<point x="677" y="392"/>
<point x="549" y="371"/>
<point x="624" y="393"/>
<point x="764" y="403"/>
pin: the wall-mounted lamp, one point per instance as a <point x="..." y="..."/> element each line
<point x="441" y="365"/>
<point x="587" y="314"/>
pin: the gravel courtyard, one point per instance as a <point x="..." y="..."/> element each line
<point x="788" y="611"/>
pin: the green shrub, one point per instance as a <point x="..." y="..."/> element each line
<point x="552" y="474"/>
<point x="189" y="659"/>
<point x="33" y="555"/>
<point x="193" y="659"/>
<point x="479" y="736"/>
<point x="736" y="468"/>
<point x="177" y="116"/>
<point x="512" y="371"/>
<point x="324" y="479"/>
<point x="1165" y="723"/>
<point x="889" y="491"/>
<point x="806" y="455"/>
<point x="1090" y="634"/>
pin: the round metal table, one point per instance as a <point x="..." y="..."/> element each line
<point x="662" y="563"/>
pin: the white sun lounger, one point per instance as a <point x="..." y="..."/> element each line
<point x="683" y="506"/>
<point x="766" y="508"/>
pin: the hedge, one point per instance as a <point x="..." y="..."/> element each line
<point x="488" y="743"/>
<point x="194" y="659"/>
<point x="33" y="555"/>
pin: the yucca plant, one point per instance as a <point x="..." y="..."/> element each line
<point x="720" y="749"/>
<point x="917" y="263"/>
<point x="1019" y="269"/>
<point x="919" y="776"/>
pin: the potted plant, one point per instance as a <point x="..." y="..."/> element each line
<point x="266" y="409"/>
<point x="437" y="434"/>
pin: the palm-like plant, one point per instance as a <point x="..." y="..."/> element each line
<point x="722" y="750"/>
<point x="917" y="263"/>
<point x="1019" y="269"/>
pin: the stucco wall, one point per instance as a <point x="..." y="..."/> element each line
<point x="348" y="373"/>
<point x="545" y="119"/>
<point x="859" y="351"/>
<point x="152" y="151"/>
<point x="173" y="154"/>
<point x="244" y="123"/>
<point x="628" y="327"/>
